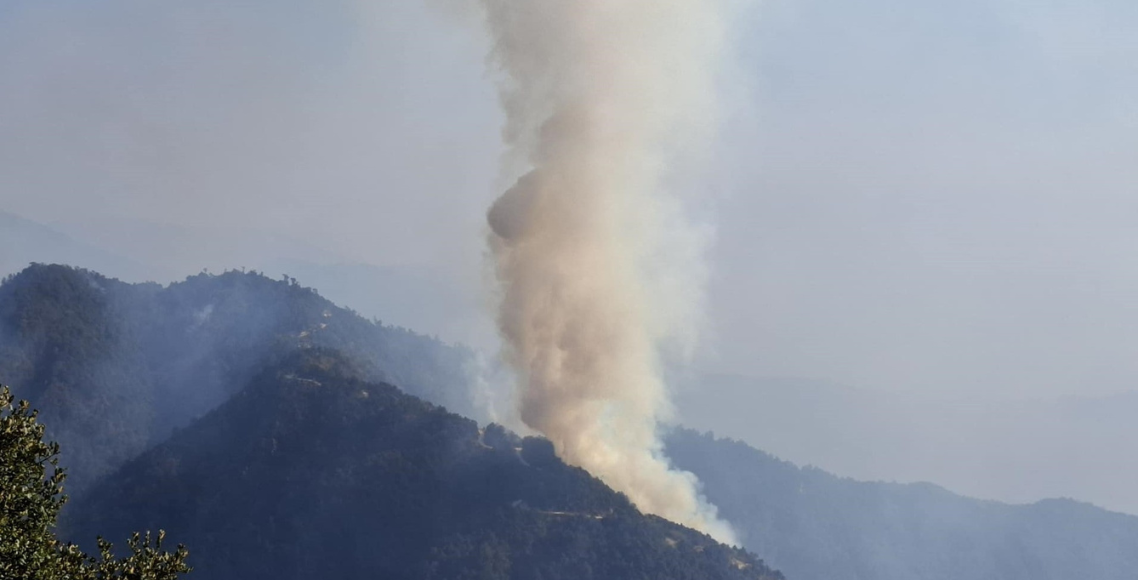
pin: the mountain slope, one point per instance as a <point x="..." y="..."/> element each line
<point x="76" y="343"/>
<point x="310" y="472"/>
<point x="65" y="345"/>
<point x="816" y="526"/>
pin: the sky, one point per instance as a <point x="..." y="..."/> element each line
<point x="908" y="196"/>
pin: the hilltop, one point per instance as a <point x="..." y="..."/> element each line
<point x="311" y="472"/>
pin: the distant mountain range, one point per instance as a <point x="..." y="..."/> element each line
<point x="1010" y="450"/>
<point x="24" y="241"/>
<point x="816" y="526"/>
<point x="257" y="422"/>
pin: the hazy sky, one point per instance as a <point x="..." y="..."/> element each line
<point x="912" y="195"/>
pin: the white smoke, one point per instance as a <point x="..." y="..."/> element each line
<point x="596" y="265"/>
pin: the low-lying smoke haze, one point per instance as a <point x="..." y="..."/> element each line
<point x="918" y="197"/>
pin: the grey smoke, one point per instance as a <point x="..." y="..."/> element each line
<point x="598" y="267"/>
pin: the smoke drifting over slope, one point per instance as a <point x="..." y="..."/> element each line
<point x="597" y="266"/>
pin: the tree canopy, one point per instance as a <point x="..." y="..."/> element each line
<point x="31" y="495"/>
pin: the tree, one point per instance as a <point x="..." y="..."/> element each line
<point x="31" y="495"/>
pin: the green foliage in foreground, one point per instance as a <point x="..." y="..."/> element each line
<point x="31" y="495"/>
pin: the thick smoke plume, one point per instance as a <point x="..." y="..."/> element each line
<point x="597" y="267"/>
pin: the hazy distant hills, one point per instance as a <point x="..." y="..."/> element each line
<point x="24" y="241"/>
<point x="816" y="526"/>
<point x="185" y="249"/>
<point x="252" y="416"/>
<point x="1010" y="450"/>
<point x="310" y="472"/>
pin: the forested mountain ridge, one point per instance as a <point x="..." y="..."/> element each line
<point x="254" y="412"/>
<point x="816" y="526"/>
<point x="76" y="344"/>
<point x="312" y="472"/>
<point x="116" y="367"/>
<point x="63" y="347"/>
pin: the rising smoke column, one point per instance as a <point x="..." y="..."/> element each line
<point x="596" y="266"/>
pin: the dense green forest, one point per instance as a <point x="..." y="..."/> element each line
<point x="311" y="472"/>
